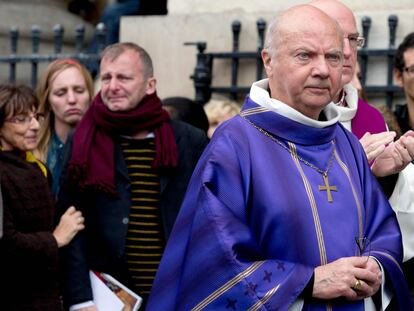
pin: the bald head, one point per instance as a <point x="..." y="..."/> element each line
<point x="303" y="59"/>
<point x="297" y="19"/>
<point x="346" y="19"/>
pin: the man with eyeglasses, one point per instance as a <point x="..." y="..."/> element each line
<point x="401" y="200"/>
<point x="387" y="158"/>
<point x="404" y="77"/>
<point x="282" y="204"/>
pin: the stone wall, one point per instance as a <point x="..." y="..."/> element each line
<point x="210" y="20"/>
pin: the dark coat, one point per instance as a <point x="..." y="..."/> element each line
<point x="101" y="245"/>
<point x="29" y="252"/>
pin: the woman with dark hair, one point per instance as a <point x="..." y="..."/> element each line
<point x="29" y="247"/>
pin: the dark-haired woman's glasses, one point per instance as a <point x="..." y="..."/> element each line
<point x="26" y="119"/>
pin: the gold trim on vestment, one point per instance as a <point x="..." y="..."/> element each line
<point x="318" y="228"/>
<point x="265" y="299"/>
<point x="251" y="111"/>
<point x="345" y="169"/>
<point x="230" y="284"/>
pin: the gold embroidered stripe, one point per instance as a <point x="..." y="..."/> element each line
<point x="316" y="220"/>
<point x="251" y="111"/>
<point x="265" y="299"/>
<point x="346" y="171"/>
<point x="228" y="285"/>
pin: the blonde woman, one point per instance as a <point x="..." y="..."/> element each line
<point x="65" y="91"/>
<point x="218" y="111"/>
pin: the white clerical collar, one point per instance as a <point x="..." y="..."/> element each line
<point x="260" y="95"/>
<point x="348" y="112"/>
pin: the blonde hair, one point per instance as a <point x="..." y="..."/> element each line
<point x="43" y="90"/>
<point x="216" y="108"/>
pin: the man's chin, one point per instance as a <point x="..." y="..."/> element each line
<point x="116" y="107"/>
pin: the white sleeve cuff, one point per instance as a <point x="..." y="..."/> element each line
<point x="81" y="305"/>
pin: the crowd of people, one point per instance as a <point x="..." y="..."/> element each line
<point x="300" y="199"/>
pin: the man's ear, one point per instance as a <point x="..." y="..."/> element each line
<point x="267" y="61"/>
<point x="151" y="86"/>
<point x="398" y="77"/>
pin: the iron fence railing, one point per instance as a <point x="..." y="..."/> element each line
<point x="203" y="71"/>
<point x="89" y="59"/>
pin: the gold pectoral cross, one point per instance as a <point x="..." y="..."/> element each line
<point x="327" y="187"/>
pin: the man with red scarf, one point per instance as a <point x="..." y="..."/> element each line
<point x="128" y="172"/>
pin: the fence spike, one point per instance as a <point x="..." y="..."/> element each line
<point x="101" y="36"/>
<point x="392" y="24"/>
<point x="366" y="25"/>
<point x="80" y="37"/>
<point x="14" y="37"/>
<point x="58" y="31"/>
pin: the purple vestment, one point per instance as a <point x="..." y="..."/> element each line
<point x="367" y="119"/>
<point x="254" y="224"/>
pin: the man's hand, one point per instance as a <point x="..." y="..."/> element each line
<point x="395" y="157"/>
<point x="338" y="278"/>
<point x="375" y="144"/>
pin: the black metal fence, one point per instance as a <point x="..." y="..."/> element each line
<point x="203" y="72"/>
<point x="365" y="54"/>
<point x="89" y="59"/>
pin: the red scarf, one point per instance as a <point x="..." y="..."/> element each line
<point x="92" y="163"/>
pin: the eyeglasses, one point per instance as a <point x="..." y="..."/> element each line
<point x="356" y="41"/>
<point x="26" y="119"/>
<point x="363" y="246"/>
<point x="409" y="70"/>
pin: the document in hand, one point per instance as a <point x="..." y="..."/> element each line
<point x="110" y="294"/>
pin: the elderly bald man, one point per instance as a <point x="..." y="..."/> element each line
<point x="282" y="211"/>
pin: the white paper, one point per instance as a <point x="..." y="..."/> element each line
<point x="103" y="297"/>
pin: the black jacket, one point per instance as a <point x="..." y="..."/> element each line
<point x="101" y="245"/>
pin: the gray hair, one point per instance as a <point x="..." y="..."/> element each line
<point x="113" y="51"/>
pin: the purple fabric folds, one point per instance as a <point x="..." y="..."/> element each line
<point x="254" y="225"/>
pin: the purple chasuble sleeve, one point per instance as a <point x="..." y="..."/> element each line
<point x="253" y="225"/>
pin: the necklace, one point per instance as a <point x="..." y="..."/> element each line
<point x="326" y="187"/>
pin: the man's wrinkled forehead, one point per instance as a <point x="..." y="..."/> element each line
<point x="327" y="35"/>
